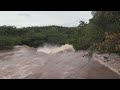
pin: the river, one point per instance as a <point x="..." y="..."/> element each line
<point x="25" y="62"/>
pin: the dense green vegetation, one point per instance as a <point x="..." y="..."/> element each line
<point x="36" y="36"/>
<point x="102" y="33"/>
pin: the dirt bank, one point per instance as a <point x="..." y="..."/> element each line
<point x="111" y="61"/>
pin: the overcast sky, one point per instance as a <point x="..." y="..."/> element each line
<point x="43" y="18"/>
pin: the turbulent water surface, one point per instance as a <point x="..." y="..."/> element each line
<point x="50" y="62"/>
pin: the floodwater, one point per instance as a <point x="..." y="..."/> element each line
<point x="24" y="62"/>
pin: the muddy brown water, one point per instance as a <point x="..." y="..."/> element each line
<point x="25" y="62"/>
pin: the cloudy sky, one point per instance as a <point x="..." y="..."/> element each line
<point x="43" y="18"/>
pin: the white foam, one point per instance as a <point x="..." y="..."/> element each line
<point x="55" y="49"/>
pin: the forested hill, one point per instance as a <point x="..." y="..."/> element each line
<point x="36" y="36"/>
<point x="102" y="33"/>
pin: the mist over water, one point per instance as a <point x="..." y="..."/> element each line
<point x="49" y="49"/>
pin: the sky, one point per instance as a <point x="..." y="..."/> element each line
<point x="43" y="18"/>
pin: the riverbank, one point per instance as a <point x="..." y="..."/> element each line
<point x="112" y="61"/>
<point x="6" y="47"/>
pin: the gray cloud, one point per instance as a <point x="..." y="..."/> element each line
<point x="24" y="14"/>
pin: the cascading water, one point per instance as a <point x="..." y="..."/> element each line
<point x="55" y="49"/>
